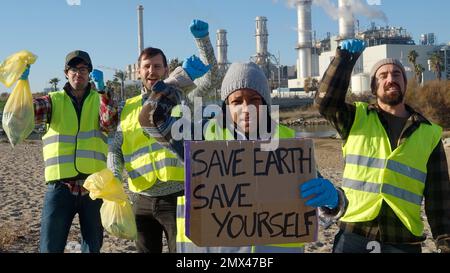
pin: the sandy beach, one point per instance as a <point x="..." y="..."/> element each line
<point x="22" y="192"/>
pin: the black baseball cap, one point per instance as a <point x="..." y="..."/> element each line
<point x="80" y="55"/>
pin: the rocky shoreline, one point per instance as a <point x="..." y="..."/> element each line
<point x="305" y="122"/>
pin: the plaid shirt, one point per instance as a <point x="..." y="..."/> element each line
<point x="387" y="227"/>
<point x="107" y="117"/>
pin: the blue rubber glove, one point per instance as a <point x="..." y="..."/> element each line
<point x="199" y="28"/>
<point x="353" y="45"/>
<point x="324" y="192"/>
<point x="25" y="73"/>
<point x="97" y="77"/>
<point x="194" y="67"/>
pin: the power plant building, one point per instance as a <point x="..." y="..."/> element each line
<point x="382" y="42"/>
<point x="314" y="57"/>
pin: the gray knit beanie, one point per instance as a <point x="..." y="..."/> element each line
<point x="245" y="75"/>
<point x="379" y="64"/>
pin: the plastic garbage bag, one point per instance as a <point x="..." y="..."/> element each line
<point x="18" y="114"/>
<point x="12" y="68"/>
<point x="116" y="213"/>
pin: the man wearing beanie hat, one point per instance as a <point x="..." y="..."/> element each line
<point x="244" y="85"/>
<point x="378" y="65"/>
<point x="244" y="89"/>
<point x="245" y="76"/>
<point x="394" y="158"/>
<point x="78" y="120"/>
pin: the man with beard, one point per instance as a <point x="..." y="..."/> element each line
<point x="155" y="175"/>
<point x="394" y="158"/>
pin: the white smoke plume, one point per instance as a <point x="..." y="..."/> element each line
<point x="357" y="7"/>
<point x="330" y="8"/>
<point x="361" y="7"/>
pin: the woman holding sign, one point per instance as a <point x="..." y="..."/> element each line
<point x="243" y="114"/>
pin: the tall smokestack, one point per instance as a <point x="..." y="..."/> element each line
<point x="304" y="38"/>
<point x="222" y="47"/>
<point x="346" y="20"/>
<point x="140" y="10"/>
<point x="262" y="37"/>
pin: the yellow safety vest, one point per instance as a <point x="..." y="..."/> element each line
<point x="73" y="146"/>
<point x="374" y="173"/>
<point x="184" y="244"/>
<point x="145" y="159"/>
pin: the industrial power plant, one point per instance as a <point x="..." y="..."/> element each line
<point x="314" y="56"/>
<point x="383" y="42"/>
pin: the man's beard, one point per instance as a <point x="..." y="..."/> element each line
<point x="392" y="99"/>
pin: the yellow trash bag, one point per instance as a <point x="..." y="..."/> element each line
<point x="18" y="114"/>
<point x="12" y="68"/>
<point x="116" y="213"/>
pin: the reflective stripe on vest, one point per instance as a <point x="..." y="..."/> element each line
<point x="71" y="147"/>
<point x="142" y="152"/>
<point x="386" y="188"/>
<point x="165" y="163"/>
<point x="388" y="164"/>
<point x="72" y="139"/>
<point x="146" y="161"/>
<point x="184" y="244"/>
<point x="78" y="154"/>
<point x="374" y="173"/>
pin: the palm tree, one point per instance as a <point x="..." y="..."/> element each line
<point x="121" y="76"/>
<point x="419" y="70"/>
<point x="436" y="64"/>
<point x="54" y="82"/>
<point x="412" y="59"/>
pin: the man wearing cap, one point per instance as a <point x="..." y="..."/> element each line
<point x="75" y="145"/>
<point x="394" y="159"/>
<point x="244" y="87"/>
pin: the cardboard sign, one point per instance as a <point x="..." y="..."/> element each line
<point x="238" y="195"/>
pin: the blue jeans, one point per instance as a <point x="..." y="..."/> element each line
<point x="60" y="207"/>
<point x="346" y="242"/>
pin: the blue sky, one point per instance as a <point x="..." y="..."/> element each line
<point x="107" y="29"/>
